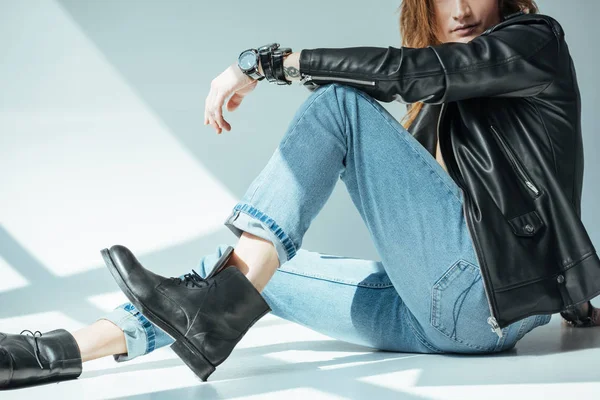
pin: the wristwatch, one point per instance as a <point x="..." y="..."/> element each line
<point x="248" y="63"/>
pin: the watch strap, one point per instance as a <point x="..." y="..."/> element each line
<point x="277" y="58"/>
<point x="265" y="62"/>
<point x="264" y="53"/>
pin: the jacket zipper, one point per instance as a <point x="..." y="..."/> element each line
<point x="513" y="159"/>
<point x="492" y="318"/>
<point x="308" y="78"/>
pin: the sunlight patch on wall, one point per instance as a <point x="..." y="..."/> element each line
<point x="43" y="322"/>
<point x="9" y="278"/>
<point x="108" y="301"/>
<point x="84" y="163"/>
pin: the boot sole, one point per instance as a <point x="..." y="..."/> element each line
<point x="190" y="355"/>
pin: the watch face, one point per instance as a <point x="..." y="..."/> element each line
<point x="247" y="60"/>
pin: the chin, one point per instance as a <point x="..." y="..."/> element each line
<point x="466" y="39"/>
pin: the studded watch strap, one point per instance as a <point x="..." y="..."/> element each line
<point x="267" y="66"/>
<point x="277" y="59"/>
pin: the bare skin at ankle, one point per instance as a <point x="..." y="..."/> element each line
<point x="100" y="339"/>
<point x="256" y="258"/>
<point x="253" y="255"/>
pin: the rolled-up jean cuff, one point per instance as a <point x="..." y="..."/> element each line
<point x="245" y="217"/>
<point x="139" y="332"/>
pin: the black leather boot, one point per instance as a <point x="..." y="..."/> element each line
<point x="206" y="317"/>
<point x="38" y="358"/>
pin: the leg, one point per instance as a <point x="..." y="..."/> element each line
<point x="312" y="289"/>
<point x="411" y="206"/>
<point x="419" y="230"/>
<point x="345" y="298"/>
<point x="100" y="339"/>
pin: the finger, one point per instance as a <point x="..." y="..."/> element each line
<point x="206" y="116"/>
<point x="218" y="112"/>
<point x="209" y="109"/>
<point x="214" y="125"/>
<point x="209" y="103"/>
<point x="214" y="110"/>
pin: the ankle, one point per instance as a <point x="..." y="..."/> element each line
<point x="256" y="258"/>
<point x="102" y="338"/>
<point x="254" y="251"/>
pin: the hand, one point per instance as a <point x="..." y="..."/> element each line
<point x="234" y="82"/>
<point x="584" y="311"/>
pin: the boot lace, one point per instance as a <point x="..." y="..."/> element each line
<point x="37" y="347"/>
<point x="192" y="278"/>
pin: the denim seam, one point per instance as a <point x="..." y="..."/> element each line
<point x="125" y="318"/>
<point x="346" y="142"/>
<point x="435" y="300"/>
<point x="441" y="179"/>
<point x="287" y="242"/>
<point x="539" y="318"/>
<point x="522" y="328"/>
<point x="500" y="343"/>
<point x="419" y="337"/>
<point x="344" y="282"/>
<point x="120" y="321"/>
<point x="147" y="328"/>
<point x="128" y="316"/>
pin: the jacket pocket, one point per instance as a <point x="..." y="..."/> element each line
<point x="516" y="164"/>
<point x="527" y="224"/>
<point x="459" y="308"/>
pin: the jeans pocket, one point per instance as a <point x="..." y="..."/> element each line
<point x="459" y="308"/>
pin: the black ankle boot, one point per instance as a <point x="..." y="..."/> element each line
<point x="38" y="358"/>
<point x="206" y="317"/>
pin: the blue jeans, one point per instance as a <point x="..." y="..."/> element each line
<point x="425" y="295"/>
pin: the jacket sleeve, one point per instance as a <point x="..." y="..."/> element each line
<point x="519" y="59"/>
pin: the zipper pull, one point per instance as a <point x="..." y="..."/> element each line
<point x="532" y="187"/>
<point x="495" y="326"/>
<point x="305" y="78"/>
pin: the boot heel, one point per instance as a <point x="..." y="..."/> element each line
<point x="194" y="360"/>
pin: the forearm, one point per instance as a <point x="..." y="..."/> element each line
<point x="291" y="66"/>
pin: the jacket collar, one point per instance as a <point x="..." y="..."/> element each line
<point x="509" y="16"/>
<point x="525" y="18"/>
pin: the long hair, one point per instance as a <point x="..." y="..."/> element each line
<point x="418" y="29"/>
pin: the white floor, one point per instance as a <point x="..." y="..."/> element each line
<point x="280" y="359"/>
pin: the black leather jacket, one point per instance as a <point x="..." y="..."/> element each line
<point x="506" y="110"/>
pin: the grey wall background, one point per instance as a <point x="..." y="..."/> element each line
<point x="102" y="138"/>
